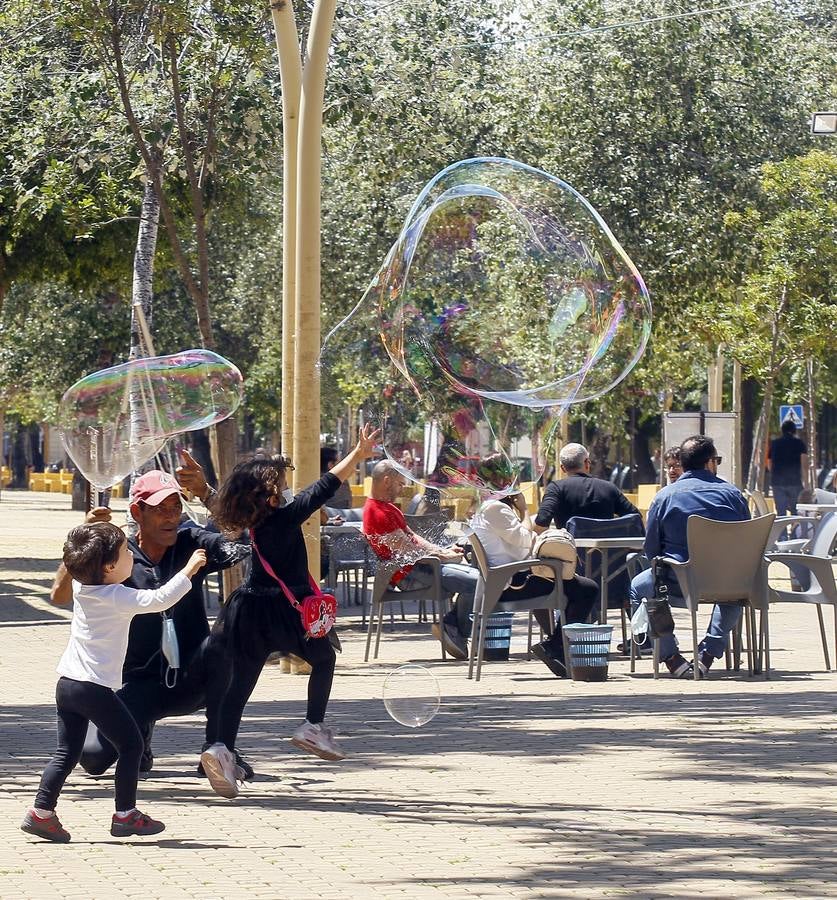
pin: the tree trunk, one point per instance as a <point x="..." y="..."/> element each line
<point x="812" y="428"/>
<point x="290" y="73"/>
<point x="309" y="157"/>
<point x="644" y="472"/>
<point x="599" y="451"/>
<point x="142" y="303"/>
<point x="749" y="389"/>
<point x="755" y="478"/>
<point x="18" y="457"/>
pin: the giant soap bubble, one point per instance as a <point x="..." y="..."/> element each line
<point x="505" y="299"/>
<point x="114" y="420"/>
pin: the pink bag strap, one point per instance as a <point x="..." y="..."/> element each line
<point x="269" y="569"/>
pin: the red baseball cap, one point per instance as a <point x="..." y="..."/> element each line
<point x="153" y="487"/>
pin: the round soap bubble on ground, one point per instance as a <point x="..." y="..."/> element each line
<point x="114" y="420"/>
<point x="505" y="299"/>
<point x="411" y="695"/>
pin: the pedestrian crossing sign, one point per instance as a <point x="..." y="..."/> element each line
<point x="792" y="413"/>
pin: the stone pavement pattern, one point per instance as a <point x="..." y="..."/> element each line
<point x="522" y="786"/>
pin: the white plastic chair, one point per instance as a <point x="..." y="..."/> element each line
<point x="492" y="583"/>
<point x="819" y="562"/>
<point x="726" y="565"/>
<point x="383" y="593"/>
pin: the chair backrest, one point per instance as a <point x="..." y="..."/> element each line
<point x="823" y="496"/>
<point x="726" y="559"/>
<point x="347" y="547"/>
<point x="825" y="536"/>
<point x="758" y="503"/>
<point x="347" y="515"/>
<point x="430" y="527"/>
<point x="624" y="526"/>
<point x="480" y="556"/>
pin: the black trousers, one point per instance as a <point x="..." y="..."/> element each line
<point x="78" y="703"/>
<point x="203" y="681"/>
<point x="246" y="669"/>
<point x="582" y="595"/>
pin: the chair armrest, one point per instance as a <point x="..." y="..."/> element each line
<point x="669" y="561"/>
<point x="557" y="565"/>
<point x="822" y="568"/>
<point x="795" y="546"/>
<point x="784" y="521"/>
<point x="521" y="566"/>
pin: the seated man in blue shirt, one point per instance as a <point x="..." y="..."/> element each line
<point x="697" y="492"/>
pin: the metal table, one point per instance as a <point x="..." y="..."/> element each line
<point x="815" y="509"/>
<point x="603" y="545"/>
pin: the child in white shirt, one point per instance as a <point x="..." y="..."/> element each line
<point x="98" y="558"/>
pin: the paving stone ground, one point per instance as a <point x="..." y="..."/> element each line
<point x="522" y="786"/>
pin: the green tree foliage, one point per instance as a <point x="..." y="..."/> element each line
<point x="65" y="193"/>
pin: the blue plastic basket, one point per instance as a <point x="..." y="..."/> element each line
<point x="498" y="629"/>
<point x="585" y="649"/>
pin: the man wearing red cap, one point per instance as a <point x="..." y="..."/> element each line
<point x="155" y="686"/>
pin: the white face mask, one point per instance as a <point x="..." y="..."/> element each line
<point x="287" y="496"/>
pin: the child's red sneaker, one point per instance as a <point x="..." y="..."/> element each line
<point x="49" y="828"/>
<point x="135" y="823"/>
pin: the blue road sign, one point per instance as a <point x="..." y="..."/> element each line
<point x="794" y="413"/>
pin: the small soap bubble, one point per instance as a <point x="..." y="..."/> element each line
<point x="114" y="420"/>
<point x="411" y="695"/>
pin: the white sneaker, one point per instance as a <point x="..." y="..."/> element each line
<point x="221" y="770"/>
<point x="317" y="739"/>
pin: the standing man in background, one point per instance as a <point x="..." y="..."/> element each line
<point x="787" y="462"/>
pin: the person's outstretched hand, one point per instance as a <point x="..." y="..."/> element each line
<point x="190" y="475"/>
<point x="368" y="438"/>
<point x="196" y="562"/>
<point x="98" y="514"/>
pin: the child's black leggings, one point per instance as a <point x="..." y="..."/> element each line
<point x="80" y="702"/>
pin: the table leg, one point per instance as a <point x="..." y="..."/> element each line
<point x="603" y="556"/>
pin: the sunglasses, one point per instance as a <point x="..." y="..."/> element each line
<point x="718" y="459"/>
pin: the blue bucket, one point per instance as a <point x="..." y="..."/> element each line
<point x="585" y="650"/>
<point x="498" y="629"/>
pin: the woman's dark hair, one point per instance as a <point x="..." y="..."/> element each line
<point x="91" y="547"/>
<point x="672" y="453"/>
<point x="696" y="451"/>
<point x="242" y="501"/>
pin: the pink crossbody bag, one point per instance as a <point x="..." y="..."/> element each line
<point x="318" y="611"/>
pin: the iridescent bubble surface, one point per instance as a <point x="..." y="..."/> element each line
<point x="114" y="420"/>
<point x="505" y="299"/>
<point x="411" y="695"/>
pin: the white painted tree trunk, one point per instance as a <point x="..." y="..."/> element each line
<point x="142" y="297"/>
<point x="290" y="72"/>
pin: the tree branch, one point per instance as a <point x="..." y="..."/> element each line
<point x="187" y="145"/>
<point x="153" y="168"/>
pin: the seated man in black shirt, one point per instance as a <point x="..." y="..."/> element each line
<point x="151" y="689"/>
<point x="580" y="494"/>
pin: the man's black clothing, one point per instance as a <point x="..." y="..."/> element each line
<point x="204" y="673"/>
<point x="143" y="658"/>
<point x="581" y="494"/>
<point x="785" y="460"/>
